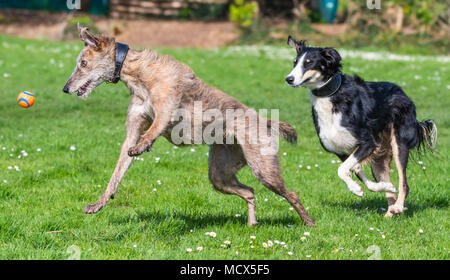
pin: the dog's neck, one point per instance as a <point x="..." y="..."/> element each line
<point x="329" y="87"/>
<point x="138" y="71"/>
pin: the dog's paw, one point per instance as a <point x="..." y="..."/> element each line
<point x="138" y="150"/>
<point x="355" y="189"/>
<point x="396" y="209"/>
<point x="388" y="187"/>
<point x="381" y="187"/>
<point x="134" y="151"/>
<point x="93" y="208"/>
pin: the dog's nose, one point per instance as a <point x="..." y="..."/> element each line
<point x="290" y="79"/>
<point x="66" y="89"/>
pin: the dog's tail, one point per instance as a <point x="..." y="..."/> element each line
<point x="286" y="131"/>
<point x="427" y="133"/>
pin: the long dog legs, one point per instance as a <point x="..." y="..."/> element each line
<point x="224" y="162"/>
<point x="135" y="125"/>
<point x="267" y="169"/>
<point x="401" y="154"/>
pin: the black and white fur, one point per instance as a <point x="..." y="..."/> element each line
<point x="361" y="122"/>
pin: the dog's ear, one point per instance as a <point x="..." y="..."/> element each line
<point x="298" y="45"/>
<point x="332" y="58"/>
<point x="89" y="39"/>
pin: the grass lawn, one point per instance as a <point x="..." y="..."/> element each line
<point x="41" y="204"/>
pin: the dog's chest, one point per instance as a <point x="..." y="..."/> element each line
<point x="334" y="137"/>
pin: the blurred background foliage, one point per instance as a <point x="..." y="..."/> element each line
<point x="398" y="24"/>
<point x="402" y="25"/>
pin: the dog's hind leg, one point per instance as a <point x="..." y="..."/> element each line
<point x="224" y="162"/>
<point x="266" y="168"/>
<point x="136" y="124"/>
<point x="381" y="167"/>
<point x="401" y="154"/>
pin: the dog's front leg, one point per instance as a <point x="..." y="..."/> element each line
<point x="136" y="124"/>
<point x="158" y="127"/>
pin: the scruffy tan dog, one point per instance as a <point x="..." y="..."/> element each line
<point x="160" y="88"/>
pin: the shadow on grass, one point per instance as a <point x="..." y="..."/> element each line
<point x="369" y="205"/>
<point x="182" y="222"/>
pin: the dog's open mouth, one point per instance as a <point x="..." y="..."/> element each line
<point x="82" y="90"/>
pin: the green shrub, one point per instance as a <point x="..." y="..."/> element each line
<point x="244" y="13"/>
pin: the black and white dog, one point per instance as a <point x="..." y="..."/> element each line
<point x="360" y="122"/>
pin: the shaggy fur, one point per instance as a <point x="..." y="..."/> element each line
<point x="160" y="85"/>
<point x="362" y="122"/>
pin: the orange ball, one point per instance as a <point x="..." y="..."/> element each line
<point x="25" y="99"/>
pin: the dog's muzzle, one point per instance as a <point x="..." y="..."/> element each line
<point x="66" y="89"/>
<point x="290" y="79"/>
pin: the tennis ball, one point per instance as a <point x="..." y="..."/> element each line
<point x="25" y="99"/>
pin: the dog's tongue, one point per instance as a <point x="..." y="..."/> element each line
<point x="81" y="91"/>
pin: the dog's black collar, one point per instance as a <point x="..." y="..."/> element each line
<point x="329" y="88"/>
<point x="121" y="53"/>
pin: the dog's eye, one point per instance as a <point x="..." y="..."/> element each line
<point x="295" y="61"/>
<point x="308" y="61"/>
<point x="83" y="63"/>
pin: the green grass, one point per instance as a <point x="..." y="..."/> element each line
<point x="41" y="213"/>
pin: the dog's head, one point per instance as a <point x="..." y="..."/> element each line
<point x="312" y="66"/>
<point x="95" y="64"/>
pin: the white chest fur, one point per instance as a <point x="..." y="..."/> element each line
<point x="334" y="137"/>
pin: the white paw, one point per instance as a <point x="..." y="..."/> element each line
<point x="396" y="209"/>
<point x="356" y="189"/>
<point x="381" y="187"/>
<point x="388" y="187"/>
